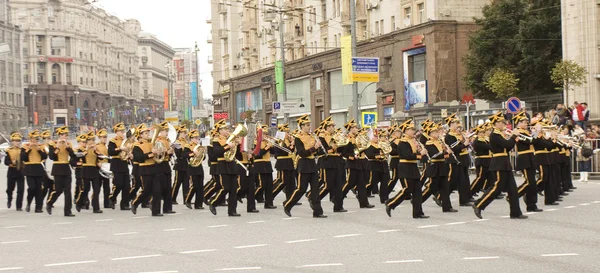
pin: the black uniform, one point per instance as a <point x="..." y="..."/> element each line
<point x="264" y="174"/>
<point x="437" y="172"/>
<point x="284" y="165"/>
<point x="196" y="174"/>
<point x="77" y="163"/>
<point x="333" y="172"/>
<point x="526" y="164"/>
<point x="378" y="173"/>
<point x="150" y="176"/>
<point x="120" y="169"/>
<point x="214" y="184"/>
<point x="90" y="179"/>
<point x="356" y="169"/>
<point x="307" y="174"/>
<point x="165" y="176"/>
<point x="35" y="173"/>
<point x="501" y="174"/>
<point x="246" y="180"/>
<point x="408" y="172"/>
<point x="483" y="157"/>
<point x="104" y="181"/>
<point x="459" y="171"/>
<point x="228" y="176"/>
<point x="61" y="170"/>
<point x="181" y="176"/>
<point x="14" y="176"/>
<point x="394" y="160"/>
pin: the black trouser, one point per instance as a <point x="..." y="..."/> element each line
<point x="438" y="186"/>
<point x="210" y="187"/>
<point x="197" y="189"/>
<point x="121" y="185"/>
<point x="181" y="179"/>
<point x="265" y="180"/>
<point x="376" y="177"/>
<point x="34" y="190"/>
<point x="356" y="178"/>
<point x="246" y="186"/>
<point x="413" y="187"/>
<point x="459" y="180"/>
<point x="546" y="183"/>
<point x="137" y="185"/>
<point x="480" y="181"/>
<point x="19" y="183"/>
<point x="259" y="193"/>
<point x="105" y="183"/>
<point x="502" y="181"/>
<point x="529" y="189"/>
<point x="229" y="186"/>
<point x="333" y="183"/>
<point x="167" y="188"/>
<point x="305" y="179"/>
<point x="95" y="186"/>
<point x="47" y="188"/>
<point x="393" y="180"/>
<point x="566" y="177"/>
<point x="286" y="183"/>
<point x="151" y="187"/>
<point x="78" y="187"/>
<point x="62" y="184"/>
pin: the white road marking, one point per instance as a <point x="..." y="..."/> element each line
<point x="238" y="268"/>
<point x="74" y="237"/>
<point x="300" y="241"/>
<point x="290" y="218"/>
<point x="454" y="223"/>
<point x="197" y="251"/>
<point x="570" y="207"/>
<point x="14" y="242"/>
<point x="173" y="229"/>
<point x="171" y="271"/>
<point x="15" y="227"/>
<point x="346" y="235"/>
<point x="584" y="204"/>
<point x="387" y="230"/>
<point x="10" y="268"/>
<point x="374" y="209"/>
<point x="319" y="265"/>
<point x="596" y="202"/>
<point x="550" y="209"/>
<point x="62" y="223"/>
<point x="250" y="246"/>
<point x="428" y="226"/>
<point x="559" y="254"/>
<point x="255" y="222"/>
<point x="217" y="226"/>
<point x="481" y="220"/>
<point x="71" y="263"/>
<point x="140" y="217"/>
<point x="136" y="257"/>
<point x="403" y="261"/>
<point x="103" y="220"/>
<point x="530" y="213"/>
<point x="481" y="258"/>
<point x="505" y="216"/>
<point x="126" y="233"/>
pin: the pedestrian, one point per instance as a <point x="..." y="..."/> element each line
<point x="581" y="115"/>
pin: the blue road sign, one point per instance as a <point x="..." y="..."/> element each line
<point x="369" y="119"/>
<point x="273" y="121"/>
<point x="276" y="106"/>
<point x="365" y="65"/>
<point x="513" y="105"/>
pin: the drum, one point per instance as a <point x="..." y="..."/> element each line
<point x="105" y="170"/>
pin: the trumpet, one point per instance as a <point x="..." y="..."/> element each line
<point x="525" y="137"/>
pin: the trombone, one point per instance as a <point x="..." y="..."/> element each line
<point x="276" y="144"/>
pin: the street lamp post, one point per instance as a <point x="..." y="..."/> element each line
<point x="32" y="94"/>
<point x="201" y="105"/>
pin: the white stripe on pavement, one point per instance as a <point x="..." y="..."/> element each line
<point x="62" y="223"/>
<point x="197" y="251"/>
<point x="403" y="261"/>
<point x="320" y="265"/>
<point x="173" y="229"/>
<point x="570" y="207"/>
<point x="74" y="237"/>
<point x="70" y="263"/>
<point x="103" y="220"/>
<point x="250" y="246"/>
<point x="136" y="257"/>
<point x="10" y="268"/>
<point x="481" y="258"/>
<point x="481" y="220"/>
<point x="217" y="226"/>
<point x="255" y="222"/>
<point x="126" y="233"/>
<point x="237" y="268"/>
<point x="584" y="204"/>
<point x="387" y="230"/>
<point x="300" y="241"/>
<point x="428" y="226"/>
<point x="559" y="254"/>
<point x="170" y="271"/>
<point x="346" y="235"/>
<point x="14" y="242"/>
<point x="15" y="227"/>
<point x="290" y="218"/>
<point x="455" y="223"/>
<point x="550" y="209"/>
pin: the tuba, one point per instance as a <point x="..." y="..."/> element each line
<point x="128" y="144"/>
<point x="195" y="161"/>
<point x="159" y="157"/>
<point x="362" y="143"/>
<point x="239" y="132"/>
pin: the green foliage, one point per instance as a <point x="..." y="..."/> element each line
<point x="502" y="82"/>
<point x="568" y="74"/>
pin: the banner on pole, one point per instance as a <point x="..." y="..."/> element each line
<point x="279" y="77"/>
<point x="346" y="57"/>
<point x="194" y="91"/>
<point x="166" y="104"/>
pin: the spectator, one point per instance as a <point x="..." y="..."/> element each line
<point x="552" y="117"/>
<point x="581" y="114"/>
<point x="564" y="115"/>
<point x="538" y="116"/>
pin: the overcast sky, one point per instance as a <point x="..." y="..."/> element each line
<point x="178" y="23"/>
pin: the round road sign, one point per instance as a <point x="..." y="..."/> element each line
<point x="513" y="105"/>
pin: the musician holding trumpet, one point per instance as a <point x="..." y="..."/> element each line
<point x="284" y="165"/>
<point x="120" y="155"/>
<point x="525" y="161"/>
<point x="225" y="169"/>
<point x="90" y="175"/>
<point x="61" y="153"/>
<point x="32" y="155"/>
<point x="333" y="165"/>
<point x="194" y="153"/>
<point x="14" y="176"/>
<point x="144" y="153"/>
<point x="165" y="168"/>
<point x="263" y="169"/>
<point x="356" y="168"/>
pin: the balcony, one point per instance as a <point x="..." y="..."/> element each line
<point x="345" y="18"/>
<point x="208" y="21"/>
<point x="246" y="54"/>
<point x="222" y="8"/>
<point x="289" y="39"/>
<point x="223" y="33"/>
<point x="210" y="59"/>
<point x="209" y="40"/>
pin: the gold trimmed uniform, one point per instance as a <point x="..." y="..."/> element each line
<point x="61" y="154"/>
<point x="14" y="175"/>
<point x="32" y="155"/>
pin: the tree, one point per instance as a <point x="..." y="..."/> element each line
<point x="502" y="82"/>
<point x="568" y="74"/>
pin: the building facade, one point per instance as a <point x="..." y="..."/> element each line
<point x="13" y="114"/>
<point x="580" y="34"/>
<point x="80" y="63"/>
<point x="186" y="85"/>
<point x="419" y="43"/>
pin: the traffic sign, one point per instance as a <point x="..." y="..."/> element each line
<point x="273" y="121"/>
<point x="171" y="116"/>
<point x="285" y="107"/>
<point x="444" y="113"/>
<point x="369" y="119"/>
<point x="365" y="69"/>
<point x="198" y="122"/>
<point x="200" y="113"/>
<point x="276" y="107"/>
<point x="513" y="105"/>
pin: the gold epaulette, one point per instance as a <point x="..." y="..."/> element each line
<point x="429" y="142"/>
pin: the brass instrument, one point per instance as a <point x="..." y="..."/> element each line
<point x="362" y="143"/>
<point x="239" y="132"/>
<point x="421" y="148"/>
<point x="385" y="146"/>
<point x="275" y="143"/>
<point x="317" y="140"/>
<point x="341" y="139"/>
<point x="126" y="147"/>
<point x="196" y="160"/>
<point x="161" y="150"/>
<point x="525" y="137"/>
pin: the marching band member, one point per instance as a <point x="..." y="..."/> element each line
<point x="423" y="138"/>
<point x="396" y="134"/>
<point x="408" y="171"/>
<point x="135" y="171"/>
<point x="333" y="166"/>
<point x="247" y="177"/>
<point x="226" y="170"/>
<point x="150" y="175"/>
<point x="525" y="162"/>
<point x="103" y="152"/>
<point x="264" y="170"/>
<point x="307" y="146"/>
<point x="181" y="165"/>
<point x="90" y="175"/>
<point x="61" y="153"/>
<point x="48" y="182"/>
<point x="501" y="169"/>
<point x="14" y="176"/>
<point x="376" y="157"/>
<point x="567" y="185"/>
<point x="543" y="158"/>
<point x="32" y="155"/>
<point x="284" y="164"/>
<point x="356" y="168"/>
<point x="437" y="169"/>
<point x="77" y="163"/>
<point x="194" y="172"/>
<point x="459" y="176"/>
<point x="481" y="147"/>
<point x="120" y="155"/>
<point x="165" y="174"/>
<point x="214" y="184"/>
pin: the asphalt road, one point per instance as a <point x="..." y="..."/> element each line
<point x="563" y="238"/>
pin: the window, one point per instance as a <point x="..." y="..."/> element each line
<point x="71" y="100"/>
<point x="393" y="21"/>
<point x="3" y="96"/>
<point x="92" y="82"/>
<point x="44" y="100"/>
<point x="11" y="98"/>
<point x="19" y="100"/>
<point x="407" y="16"/>
<point x="417" y="70"/>
<point x="334" y="8"/>
<point x="59" y="104"/>
<point x="81" y="80"/>
<point x="376" y="31"/>
<point x="421" y="16"/>
<point x="381" y="26"/>
<point x="318" y="83"/>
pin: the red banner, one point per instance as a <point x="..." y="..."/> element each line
<point x="220" y="116"/>
<point x="35" y="118"/>
<point x="166" y="105"/>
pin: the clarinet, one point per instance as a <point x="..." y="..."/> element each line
<point x="453" y="155"/>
